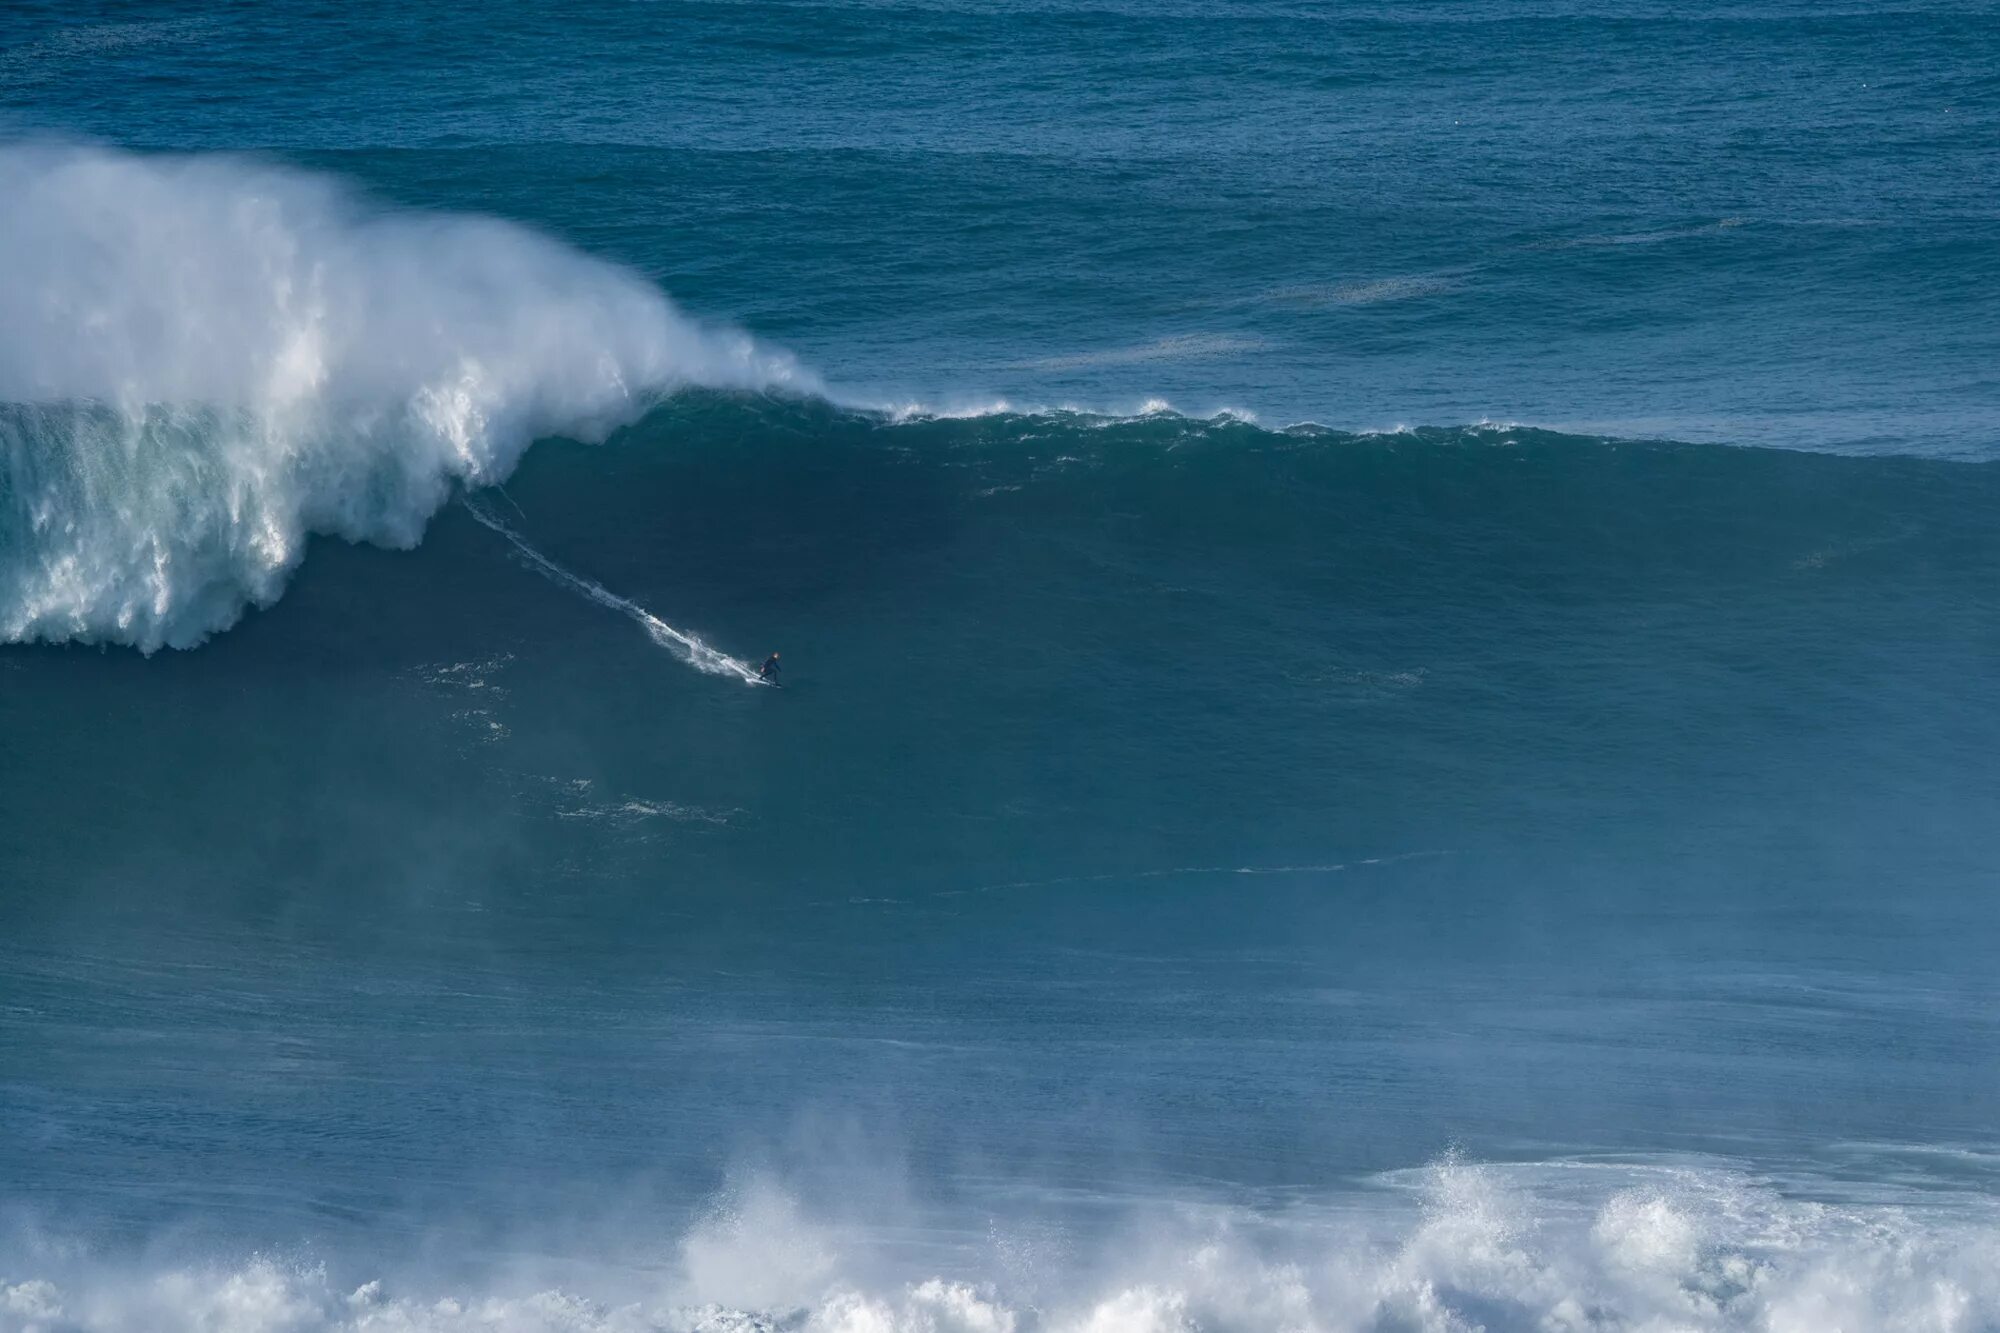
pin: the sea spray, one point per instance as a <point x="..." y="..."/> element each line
<point x="206" y="359"/>
<point x="1553" y="1247"/>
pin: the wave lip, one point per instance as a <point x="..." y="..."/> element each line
<point x="206" y="359"/>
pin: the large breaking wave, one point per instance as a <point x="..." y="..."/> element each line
<point x="204" y="360"/>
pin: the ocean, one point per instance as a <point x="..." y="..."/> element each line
<point x="1390" y="636"/>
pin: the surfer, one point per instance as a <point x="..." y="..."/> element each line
<point x="769" y="671"/>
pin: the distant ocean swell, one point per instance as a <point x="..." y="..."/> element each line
<point x="1550" y="1248"/>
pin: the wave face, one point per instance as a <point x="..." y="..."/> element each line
<point x="206" y="359"/>
<point x="1158" y="809"/>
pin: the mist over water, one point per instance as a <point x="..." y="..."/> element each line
<point x="1389" y="620"/>
<point x="1452" y="1248"/>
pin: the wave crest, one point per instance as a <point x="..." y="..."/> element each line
<point x="206" y="359"/>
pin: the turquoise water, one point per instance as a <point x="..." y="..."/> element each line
<point x="1389" y="619"/>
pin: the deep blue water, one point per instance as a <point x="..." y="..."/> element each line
<point x="1389" y="618"/>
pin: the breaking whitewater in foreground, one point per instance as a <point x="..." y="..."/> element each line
<point x="1558" y="1248"/>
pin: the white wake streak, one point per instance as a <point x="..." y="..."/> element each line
<point x="688" y="647"/>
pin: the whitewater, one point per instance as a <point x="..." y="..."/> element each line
<point x="1454" y="1247"/>
<point x="208" y="360"/>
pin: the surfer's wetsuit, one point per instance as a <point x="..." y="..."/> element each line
<point x="769" y="669"/>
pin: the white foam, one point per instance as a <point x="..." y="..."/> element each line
<point x="905" y="411"/>
<point x="206" y="359"/>
<point x="1455" y="1248"/>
